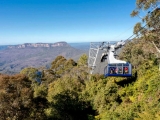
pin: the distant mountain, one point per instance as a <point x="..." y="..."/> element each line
<point x="38" y="45"/>
<point x="2" y="47"/>
<point x="17" y="57"/>
<point x="81" y="46"/>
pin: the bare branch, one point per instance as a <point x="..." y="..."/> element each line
<point x="156" y="47"/>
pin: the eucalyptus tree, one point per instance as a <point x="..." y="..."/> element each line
<point x="149" y="12"/>
<point x="149" y="27"/>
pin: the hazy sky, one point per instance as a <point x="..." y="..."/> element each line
<point x="49" y="21"/>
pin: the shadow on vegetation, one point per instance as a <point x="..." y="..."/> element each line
<point x="128" y="81"/>
<point x="69" y="106"/>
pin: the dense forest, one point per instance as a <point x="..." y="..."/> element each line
<point x="66" y="91"/>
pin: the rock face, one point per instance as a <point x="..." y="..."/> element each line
<point x="43" y="45"/>
<point x="16" y="57"/>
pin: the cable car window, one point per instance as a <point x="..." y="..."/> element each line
<point x="125" y="69"/>
<point x="119" y="70"/>
<point x="116" y="70"/>
<point x="111" y="70"/>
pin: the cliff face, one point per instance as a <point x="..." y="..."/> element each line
<point x="42" y="45"/>
<point x="16" y="57"/>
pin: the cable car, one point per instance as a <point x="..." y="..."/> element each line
<point x="115" y="67"/>
<point x="120" y="69"/>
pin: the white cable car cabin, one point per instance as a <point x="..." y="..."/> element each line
<point x="117" y="67"/>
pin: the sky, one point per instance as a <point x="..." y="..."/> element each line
<point x="50" y="21"/>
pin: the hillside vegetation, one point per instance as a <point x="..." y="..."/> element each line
<point x="66" y="91"/>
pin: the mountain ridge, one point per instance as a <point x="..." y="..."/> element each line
<point x="15" y="58"/>
<point x="36" y="45"/>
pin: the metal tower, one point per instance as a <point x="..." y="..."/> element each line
<point x="93" y="53"/>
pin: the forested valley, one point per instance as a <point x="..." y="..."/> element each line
<point x="66" y="91"/>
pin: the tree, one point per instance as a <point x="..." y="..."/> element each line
<point x="83" y="60"/>
<point x="64" y="99"/>
<point x="15" y="97"/>
<point x="151" y="18"/>
<point x="30" y="73"/>
<point x="17" y="100"/>
<point x="67" y="106"/>
<point x="149" y="28"/>
<point x="58" y="63"/>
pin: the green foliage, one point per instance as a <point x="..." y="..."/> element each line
<point x="69" y="92"/>
<point x="15" y="97"/>
<point x="40" y="91"/>
<point x="67" y="82"/>
<point x="65" y="103"/>
<point x="148" y="114"/>
<point x="137" y="28"/>
<point x="151" y="19"/>
<point x="102" y="94"/>
<point x="136" y="53"/>
<point x="83" y="60"/>
<point x="30" y="73"/>
<point x="60" y="65"/>
<point x="134" y="13"/>
<point x="67" y="106"/>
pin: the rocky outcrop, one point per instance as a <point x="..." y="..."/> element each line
<point x="43" y="45"/>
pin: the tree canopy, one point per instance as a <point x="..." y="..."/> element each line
<point x="68" y="92"/>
